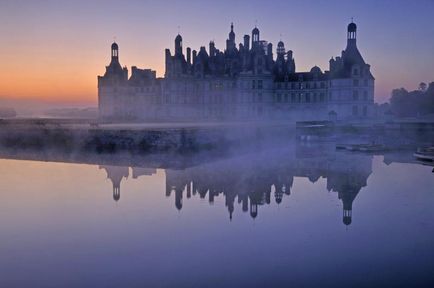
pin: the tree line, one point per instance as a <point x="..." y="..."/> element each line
<point x="415" y="103"/>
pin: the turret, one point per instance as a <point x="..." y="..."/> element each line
<point x="232" y="34"/>
<point x="194" y="56"/>
<point x="189" y="55"/>
<point x="280" y="51"/>
<point x="247" y="42"/>
<point x="115" y="52"/>
<point x="270" y="51"/>
<point x="178" y="45"/>
<point x="211" y="49"/>
<point x="351" y="34"/>
<point x="255" y="37"/>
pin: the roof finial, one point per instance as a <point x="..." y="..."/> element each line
<point x="256" y="23"/>
<point x="179" y="29"/>
<point x="352" y="19"/>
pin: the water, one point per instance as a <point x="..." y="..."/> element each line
<point x="313" y="218"/>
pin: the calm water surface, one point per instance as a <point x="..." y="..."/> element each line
<point x="297" y="218"/>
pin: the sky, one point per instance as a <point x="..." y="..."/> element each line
<point x="52" y="51"/>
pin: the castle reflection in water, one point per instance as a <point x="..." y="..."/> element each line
<point x="253" y="181"/>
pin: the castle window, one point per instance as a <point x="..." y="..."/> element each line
<point x="253" y="84"/>
<point x="279" y="98"/>
<point x="365" y="95"/>
<point x="286" y="98"/>
<point x="321" y="97"/>
<point x="356" y="71"/>
<point x="365" y="111"/>
<point x="355" y="95"/>
<point x="322" y="85"/>
<point x="259" y="84"/>
<point x="308" y="97"/>
<point x="366" y="82"/>
<point x="293" y="98"/>
<point x="355" y="111"/>
<point x="356" y="82"/>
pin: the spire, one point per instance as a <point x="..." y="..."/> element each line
<point x="115" y="52"/>
<point x="255" y="36"/>
<point x="230" y="43"/>
<point x="232" y="34"/>
<point x="352" y="32"/>
<point x="178" y="45"/>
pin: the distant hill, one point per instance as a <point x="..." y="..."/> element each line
<point x="7" y="112"/>
<point x="90" y="112"/>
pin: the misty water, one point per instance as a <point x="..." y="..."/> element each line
<point x="304" y="216"/>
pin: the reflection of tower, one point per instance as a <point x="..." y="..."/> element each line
<point x="229" y="201"/>
<point x="178" y="198"/>
<point x="347" y="175"/>
<point x="177" y="180"/>
<point x="115" y="174"/>
<point x="278" y="193"/>
<point x="347" y="197"/>
<point x="253" y="209"/>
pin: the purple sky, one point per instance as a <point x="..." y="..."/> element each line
<point x="53" y="50"/>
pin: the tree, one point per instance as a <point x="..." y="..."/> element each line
<point x="414" y="103"/>
<point x="422" y="86"/>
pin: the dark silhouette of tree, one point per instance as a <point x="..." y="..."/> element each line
<point x="413" y="103"/>
<point x="422" y="86"/>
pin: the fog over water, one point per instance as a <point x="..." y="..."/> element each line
<point x="301" y="214"/>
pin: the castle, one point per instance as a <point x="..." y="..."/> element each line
<point x="240" y="83"/>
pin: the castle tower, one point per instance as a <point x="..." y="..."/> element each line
<point x="115" y="53"/>
<point x="280" y="51"/>
<point x="232" y="34"/>
<point x="255" y="37"/>
<point x="212" y="50"/>
<point x="230" y="43"/>
<point x="351" y="34"/>
<point x="247" y="42"/>
<point x="178" y="45"/>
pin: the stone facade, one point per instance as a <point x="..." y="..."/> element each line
<point x="240" y="83"/>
